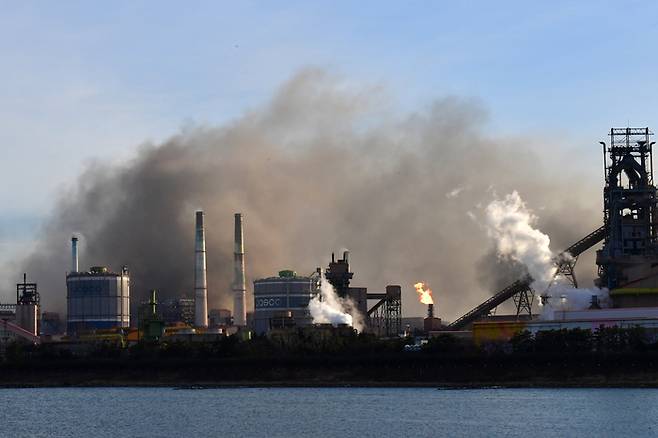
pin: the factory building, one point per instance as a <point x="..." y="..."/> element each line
<point x="177" y="310"/>
<point x="97" y="299"/>
<point x="51" y="324"/>
<point x="591" y="319"/>
<point x="385" y="316"/>
<point x="28" y="306"/>
<point x="21" y="321"/>
<point x="283" y="301"/>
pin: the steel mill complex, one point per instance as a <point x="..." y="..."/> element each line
<point x="99" y="301"/>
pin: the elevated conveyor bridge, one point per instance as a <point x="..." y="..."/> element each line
<point x="523" y="286"/>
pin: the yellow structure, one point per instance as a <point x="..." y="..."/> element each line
<point x="484" y="332"/>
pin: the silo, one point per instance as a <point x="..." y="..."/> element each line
<point x="98" y="299"/>
<point x="283" y="301"/>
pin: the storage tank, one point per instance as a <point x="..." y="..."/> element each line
<point x="283" y="298"/>
<point x="98" y="299"/>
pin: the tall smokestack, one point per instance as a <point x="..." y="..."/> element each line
<point x="200" y="281"/>
<point x="74" y="254"/>
<point x="239" y="290"/>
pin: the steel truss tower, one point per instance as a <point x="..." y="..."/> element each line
<point x="629" y="209"/>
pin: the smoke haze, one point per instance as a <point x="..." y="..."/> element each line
<point x="324" y="164"/>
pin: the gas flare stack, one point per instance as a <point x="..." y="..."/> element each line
<point x="430" y="323"/>
<point x="239" y="289"/>
<point x="200" y="280"/>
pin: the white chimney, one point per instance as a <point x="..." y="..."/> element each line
<point x="200" y="281"/>
<point x="74" y="254"/>
<point x="239" y="289"/>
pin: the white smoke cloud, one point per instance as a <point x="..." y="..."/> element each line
<point x="328" y="308"/>
<point x="510" y="223"/>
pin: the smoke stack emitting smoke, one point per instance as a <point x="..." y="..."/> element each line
<point x="321" y="165"/>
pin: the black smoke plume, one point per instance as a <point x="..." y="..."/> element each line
<point x="322" y="166"/>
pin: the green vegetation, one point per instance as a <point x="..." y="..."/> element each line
<point x="609" y="356"/>
<point x="578" y="341"/>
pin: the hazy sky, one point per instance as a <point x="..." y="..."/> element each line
<point x="86" y="81"/>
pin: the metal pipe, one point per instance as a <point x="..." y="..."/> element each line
<point x="239" y="288"/>
<point x="200" y="278"/>
<point x="74" y="254"/>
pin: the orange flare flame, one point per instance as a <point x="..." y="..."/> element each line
<point x="424" y="293"/>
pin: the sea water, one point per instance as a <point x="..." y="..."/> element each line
<point x="327" y="412"/>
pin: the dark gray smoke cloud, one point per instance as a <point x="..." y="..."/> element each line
<point x="322" y="166"/>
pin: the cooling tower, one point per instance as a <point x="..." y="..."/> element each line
<point x="200" y="281"/>
<point x="239" y="290"/>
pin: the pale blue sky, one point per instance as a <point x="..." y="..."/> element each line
<point x="92" y="80"/>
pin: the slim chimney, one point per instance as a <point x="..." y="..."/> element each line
<point x="239" y="289"/>
<point x="74" y="254"/>
<point x="200" y="281"/>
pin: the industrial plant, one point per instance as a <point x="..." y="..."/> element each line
<point x="626" y="294"/>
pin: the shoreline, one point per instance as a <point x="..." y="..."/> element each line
<point x="440" y="386"/>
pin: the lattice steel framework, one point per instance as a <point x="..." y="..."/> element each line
<point x="385" y="317"/>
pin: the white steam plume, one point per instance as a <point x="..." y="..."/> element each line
<point x="510" y="224"/>
<point x="565" y="297"/>
<point x="328" y="308"/>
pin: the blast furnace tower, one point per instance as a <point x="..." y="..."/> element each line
<point x="628" y="261"/>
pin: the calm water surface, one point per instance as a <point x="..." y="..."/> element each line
<point x="340" y="412"/>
